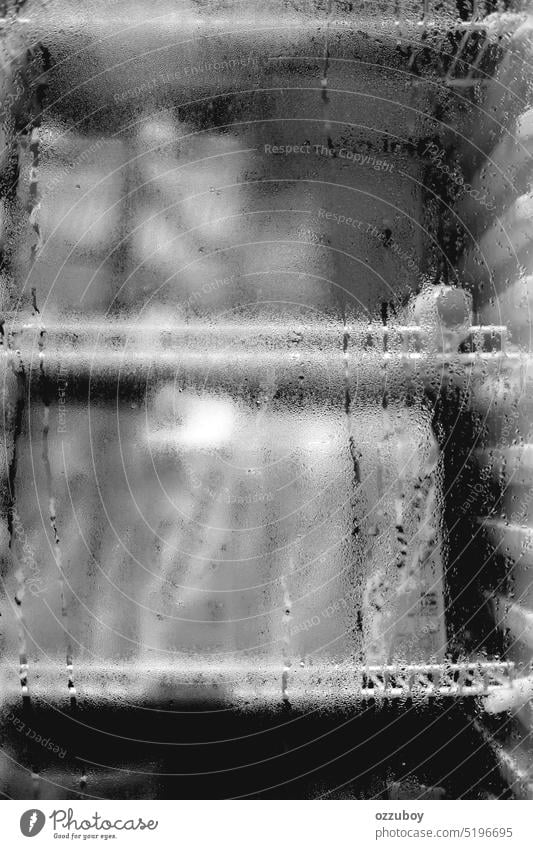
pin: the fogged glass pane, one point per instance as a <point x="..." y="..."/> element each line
<point x="265" y="392"/>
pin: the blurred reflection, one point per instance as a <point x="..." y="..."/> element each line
<point x="247" y="429"/>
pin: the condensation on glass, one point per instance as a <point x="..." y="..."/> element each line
<point x="265" y="370"/>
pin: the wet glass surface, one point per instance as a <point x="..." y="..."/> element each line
<point x="265" y="347"/>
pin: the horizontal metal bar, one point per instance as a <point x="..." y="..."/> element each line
<point x="254" y="682"/>
<point x="259" y="17"/>
<point x="328" y="328"/>
<point x="212" y="352"/>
